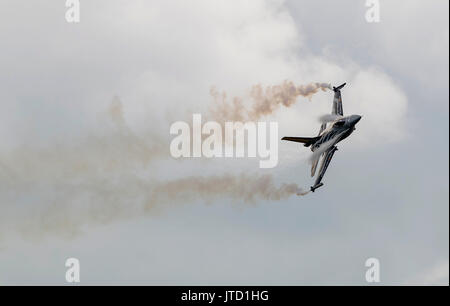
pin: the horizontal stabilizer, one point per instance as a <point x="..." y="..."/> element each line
<point x="306" y="140"/>
<point x="313" y="188"/>
<point x="339" y="87"/>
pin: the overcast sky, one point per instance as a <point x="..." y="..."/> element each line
<point x="74" y="171"/>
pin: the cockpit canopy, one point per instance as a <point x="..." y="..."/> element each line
<point x="339" y="123"/>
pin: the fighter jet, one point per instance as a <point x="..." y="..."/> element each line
<point x="324" y="145"/>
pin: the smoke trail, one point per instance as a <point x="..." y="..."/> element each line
<point x="301" y="192"/>
<point x="264" y="100"/>
<point x="100" y="200"/>
<point x="247" y="188"/>
<point x="119" y="149"/>
<point x="106" y="178"/>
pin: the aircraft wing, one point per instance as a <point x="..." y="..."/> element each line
<point x="328" y="155"/>
<point x="323" y="127"/>
<point x="337" y="101"/>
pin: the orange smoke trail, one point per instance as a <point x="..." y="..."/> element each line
<point x="263" y="100"/>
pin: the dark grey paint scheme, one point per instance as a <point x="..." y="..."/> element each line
<point x="328" y="137"/>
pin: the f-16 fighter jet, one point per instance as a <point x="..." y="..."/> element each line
<point x="324" y="145"/>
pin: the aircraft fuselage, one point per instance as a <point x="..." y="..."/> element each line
<point x="338" y="131"/>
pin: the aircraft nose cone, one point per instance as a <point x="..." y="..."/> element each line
<point x="356" y="119"/>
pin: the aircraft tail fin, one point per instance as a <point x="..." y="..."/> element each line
<point x="307" y="141"/>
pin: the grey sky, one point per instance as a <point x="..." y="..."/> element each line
<point x="385" y="194"/>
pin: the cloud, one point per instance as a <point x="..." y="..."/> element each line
<point x="418" y="52"/>
<point x="161" y="58"/>
<point x="63" y="164"/>
<point x="436" y="275"/>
